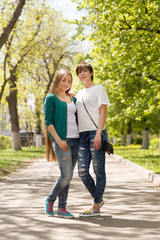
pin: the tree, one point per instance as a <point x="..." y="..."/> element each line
<point x="11" y="24"/>
<point x="54" y="53"/>
<point x="24" y="43"/>
<point x="126" y="39"/>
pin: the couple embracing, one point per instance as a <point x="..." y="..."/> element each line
<point x="75" y="132"/>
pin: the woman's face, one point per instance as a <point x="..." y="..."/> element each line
<point x="66" y="83"/>
<point x="85" y="75"/>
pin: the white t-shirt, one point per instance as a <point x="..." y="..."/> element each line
<point x="72" y="127"/>
<point x="93" y="98"/>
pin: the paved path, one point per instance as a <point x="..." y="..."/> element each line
<point x="131" y="211"/>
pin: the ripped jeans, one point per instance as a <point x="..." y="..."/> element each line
<point x="66" y="161"/>
<point x="86" y="154"/>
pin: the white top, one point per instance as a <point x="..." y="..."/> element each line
<point x="93" y="98"/>
<point x="72" y="127"/>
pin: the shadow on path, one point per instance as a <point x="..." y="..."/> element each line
<point x="131" y="209"/>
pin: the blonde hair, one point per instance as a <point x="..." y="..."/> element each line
<point x="50" y="154"/>
<point x="56" y="84"/>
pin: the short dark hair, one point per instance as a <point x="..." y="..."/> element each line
<point x="83" y="65"/>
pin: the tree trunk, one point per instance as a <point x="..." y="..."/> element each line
<point x="128" y="139"/>
<point x="12" y="105"/>
<point x="38" y="129"/>
<point x="16" y="141"/>
<point x="129" y="130"/>
<point x="145" y="143"/>
<point x="122" y="138"/>
<point x="7" y="30"/>
<point x="38" y="140"/>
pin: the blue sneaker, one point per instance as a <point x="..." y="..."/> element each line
<point x="48" y="207"/>
<point x="64" y="213"/>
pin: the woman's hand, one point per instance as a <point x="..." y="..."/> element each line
<point x="97" y="141"/>
<point x="63" y="145"/>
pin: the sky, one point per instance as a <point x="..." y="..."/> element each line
<point x="70" y="12"/>
<point x="66" y="7"/>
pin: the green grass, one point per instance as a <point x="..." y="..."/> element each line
<point x="150" y="159"/>
<point x="11" y="160"/>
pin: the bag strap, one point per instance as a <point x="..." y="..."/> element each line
<point x="88" y="113"/>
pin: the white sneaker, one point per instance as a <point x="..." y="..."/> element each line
<point x="90" y="213"/>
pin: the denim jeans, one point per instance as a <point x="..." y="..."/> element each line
<point x="86" y="154"/>
<point x="66" y="161"/>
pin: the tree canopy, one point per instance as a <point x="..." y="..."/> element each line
<point x="126" y="37"/>
<point x="36" y="49"/>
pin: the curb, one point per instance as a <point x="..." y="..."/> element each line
<point x="145" y="173"/>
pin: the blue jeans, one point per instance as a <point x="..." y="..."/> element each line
<point x="86" y="154"/>
<point x="66" y="161"/>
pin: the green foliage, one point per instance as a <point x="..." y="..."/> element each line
<point x="38" y="47"/>
<point x="154" y="143"/>
<point x="118" y="142"/>
<point x="137" y="141"/>
<point x="5" y="142"/>
<point x="126" y="58"/>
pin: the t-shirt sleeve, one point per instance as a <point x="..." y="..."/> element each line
<point x="102" y="96"/>
<point x="48" y="108"/>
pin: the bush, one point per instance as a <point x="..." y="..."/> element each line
<point x="5" y="142"/>
<point x="118" y="142"/>
<point x="154" y="143"/>
<point x="137" y="141"/>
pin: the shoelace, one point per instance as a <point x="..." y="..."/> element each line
<point x="50" y="207"/>
<point x="91" y="211"/>
<point x="87" y="211"/>
<point x="64" y="210"/>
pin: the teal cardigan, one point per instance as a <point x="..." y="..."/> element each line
<point x="55" y="112"/>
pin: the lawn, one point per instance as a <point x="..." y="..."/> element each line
<point x="150" y="159"/>
<point x="11" y="160"/>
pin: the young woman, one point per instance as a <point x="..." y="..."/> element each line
<point x="61" y="124"/>
<point x="92" y="103"/>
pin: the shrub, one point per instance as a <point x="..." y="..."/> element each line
<point x="5" y="142"/>
<point x="154" y="143"/>
<point x="118" y="142"/>
<point x="137" y="140"/>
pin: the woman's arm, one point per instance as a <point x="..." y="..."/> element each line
<point x="61" y="143"/>
<point x="48" y="106"/>
<point x="102" y="121"/>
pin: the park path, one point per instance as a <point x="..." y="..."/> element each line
<point x="131" y="210"/>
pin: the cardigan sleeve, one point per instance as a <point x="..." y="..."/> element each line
<point x="74" y="99"/>
<point x="48" y="108"/>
